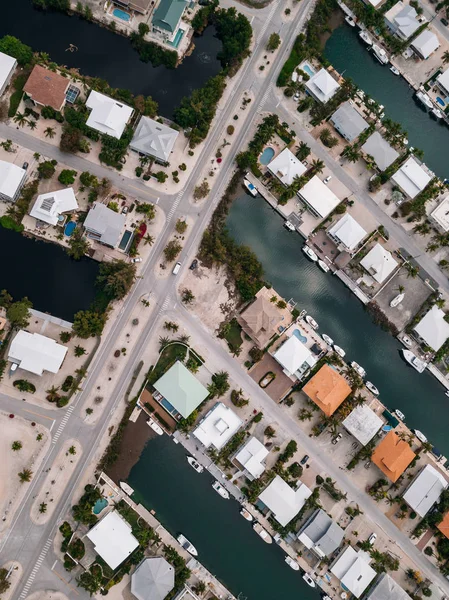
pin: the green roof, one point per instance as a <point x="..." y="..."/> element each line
<point x="181" y="389"/>
<point x="168" y="13"/>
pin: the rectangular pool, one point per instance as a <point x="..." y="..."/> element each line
<point x="125" y="240"/>
<point x="121" y="14"/>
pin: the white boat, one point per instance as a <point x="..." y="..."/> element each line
<point x="358" y="369"/>
<point x="309" y="253"/>
<point x="372" y="388"/>
<point x="155" y="427"/>
<point x="292" y="563"/>
<point x="221" y="490"/>
<point x="366" y="38"/>
<point x="311" y="321"/>
<point x="328" y="339"/>
<point x="309" y="580"/>
<point x="406" y="341"/>
<point x="350" y="21"/>
<point x="263" y="533"/>
<point x="246" y="514"/>
<point x="195" y="464"/>
<point x="421" y="437"/>
<point x="323" y="266"/>
<point x="250" y="187"/>
<point x="126" y="488"/>
<point x="394" y="70"/>
<point x="400" y="415"/>
<point x="437" y="113"/>
<point x="339" y="351"/>
<point x="187" y="545"/>
<point x="380" y="54"/>
<point x="289" y="226"/>
<point x="424" y="99"/>
<point x="397" y="300"/>
<point x="414" y="361"/>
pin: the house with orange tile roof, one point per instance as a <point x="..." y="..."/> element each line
<point x="328" y="389"/>
<point x="46" y="88"/>
<point x="444" y="525"/>
<point x="392" y="456"/>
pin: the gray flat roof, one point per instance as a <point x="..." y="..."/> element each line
<point x="154" y="139"/>
<point x="387" y="589"/>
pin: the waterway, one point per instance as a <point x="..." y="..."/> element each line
<point x="105" y="54"/>
<point x="45" y="273"/>
<point x="349" y="56"/>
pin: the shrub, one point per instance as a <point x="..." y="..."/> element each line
<point x="258" y="417"/>
<point x="230" y="129"/>
<point x="24" y="386"/>
<point x="67" y="177"/>
<point x="46" y="169"/>
<point x="68" y="382"/>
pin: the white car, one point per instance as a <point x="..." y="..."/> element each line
<point x="327" y="179"/>
<point x="136" y="260"/>
<point x="372" y="538"/>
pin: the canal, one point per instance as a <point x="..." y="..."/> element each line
<point x="45" y="273"/>
<point x="102" y="53"/>
<point x="349" y="56"/>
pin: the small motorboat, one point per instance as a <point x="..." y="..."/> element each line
<point x="358" y="369"/>
<point x="311" y="321"/>
<point x="372" y="388"/>
<point x="154" y="426"/>
<point x="400" y="415"/>
<point x="195" y="464"/>
<point x="323" y="266"/>
<point x="339" y="351"/>
<point x="329" y="341"/>
<point x="436" y="113"/>
<point x="350" y="21"/>
<point x="309" y="580"/>
<point x="397" y="300"/>
<point x="289" y="226"/>
<point x="292" y="563"/>
<point x="424" y="99"/>
<point x="250" y="187"/>
<point x="380" y="54"/>
<point x="366" y="38"/>
<point x="309" y="253"/>
<point x="263" y="533"/>
<point x="187" y="545"/>
<point x="414" y="361"/>
<point x="421" y="437"/>
<point x="246" y="514"/>
<point x="394" y="70"/>
<point x="221" y="490"/>
<point x="126" y="488"/>
<point x="406" y="341"/>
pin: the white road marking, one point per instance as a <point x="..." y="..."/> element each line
<point x="36" y="568"/>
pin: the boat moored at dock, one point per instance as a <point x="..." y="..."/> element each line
<point x="311" y="321"/>
<point x="250" y="187"/>
<point x="363" y="35"/>
<point x="246" y="514"/>
<point x="221" y="490"/>
<point x="187" y="545"/>
<point x="372" y="388"/>
<point x="292" y="563"/>
<point x="339" y="351"/>
<point x="323" y="266"/>
<point x="414" y="361"/>
<point x="358" y="369"/>
<point x="195" y="464"/>
<point x="288" y="225"/>
<point x="263" y="533"/>
<point x="380" y="54"/>
<point x="309" y="253"/>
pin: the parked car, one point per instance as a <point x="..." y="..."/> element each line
<point x="136" y="260"/>
<point x="194" y="265"/>
<point x="125" y="210"/>
<point x="176" y="268"/>
<point x="444" y="21"/>
<point x="367" y="464"/>
<point x="337" y="438"/>
<point x="25" y="166"/>
<point x="14" y="367"/>
<point x="372" y="538"/>
<point x="296" y="96"/>
<point x="328" y="178"/>
<point x="304" y="459"/>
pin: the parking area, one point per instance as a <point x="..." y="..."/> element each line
<point x="280" y="385"/>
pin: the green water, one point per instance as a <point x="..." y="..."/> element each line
<point x="348" y="54"/>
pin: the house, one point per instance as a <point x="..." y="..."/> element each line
<point x="363" y="424"/>
<point x="294" y="357"/>
<point x="167" y="18"/>
<point x="347" y="233"/>
<point x="443" y="526"/>
<point x="179" y="392"/>
<point x="154" y="139"/>
<point x="318" y="198"/>
<point x="322" y="86"/>
<point x="286" y="167"/>
<point x="283" y="501"/>
<point x="260" y="320"/>
<point x="402" y="20"/>
<point x="46" y="88"/>
<point x="433" y="329"/>
<point x="107" y="115"/>
<point x="112" y="539"/>
<point x="383" y="154"/>
<point x="328" y="389"/>
<point x="12" y="179"/>
<point x="139" y="6"/>
<point x="425" y="44"/>
<point x="353" y="570"/>
<point x="321" y="534"/>
<point x="412" y="177"/>
<point x="186" y="594"/>
<point x="250" y="458"/>
<point x="392" y="456"/>
<point x="374" y="3"/>
<point x="36" y="353"/>
<point x="104" y="225"/>
<point x="50" y="207"/>
<point x="443" y="82"/>
<point x="386" y="588"/>
<point x="440" y="215"/>
<point x="8" y="65"/>
<point x="425" y="490"/>
<point x="153" y="579"/>
<point x="379" y="263"/>
<point x="218" y="426"/>
<point x="348" y="121"/>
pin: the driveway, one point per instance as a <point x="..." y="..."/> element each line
<point x="280" y="385"/>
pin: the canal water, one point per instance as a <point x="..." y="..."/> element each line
<point x="349" y="56"/>
<point x="185" y="502"/>
<point x="105" y="54"/>
<point x="46" y="274"/>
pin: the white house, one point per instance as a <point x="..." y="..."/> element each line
<point x="440" y="215"/>
<point x="51" y="206"/>
<point x="348" y="121"/>
<point x="412" y="177"/>
<point x="154" y="139"/>
<point x="250" y="458"/>
<point x="294" y="357"/>
<point x="347" y="233"/>
<point x="283" y="501"/>
<point x="36" y="353"/>
<point x="317" y="196"/>
<point x="321" y="534"/>
<point x="379" y="263"/>
<point x="104" y="225"/>
<point x="12" y="179"/>
<point x="433" y="329"/>
<point x="322" y="86"/>
<point x="353" y="570"/>
<point x="218" y="426"/>
<point x="386" y="588"/>
<point x="402" y="20"/>
<point x="425" y="490"/>
<point x="443" y="81"/>
<point x="286" y="167"/>
<point x="8" y="65"/>
<point x="363" y="424"/>
<point x="383" y="154"/>
<point x="107" y="115"/>
<point x="113" y="539"/>
<point x="425" y="44"/>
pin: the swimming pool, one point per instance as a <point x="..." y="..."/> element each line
<point x="121" y="14"/>
<point x="178" y="37"/>
<point x="266" y="156"/>
<point x="440" y="101"/>
<point x="307" y="69"/>
<point x="69" y="228"/>
<point x="125" y="240"/>
<point x="298" y="334"/>
<point x="99" y="506"/>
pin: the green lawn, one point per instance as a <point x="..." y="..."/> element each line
<point x="234" y="337"/>
<point x="168" y="358"/>
<point x="16" y="96"/>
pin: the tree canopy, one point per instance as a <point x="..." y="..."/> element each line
<point x="116" y="278"/>
<point x="14" y="47"/>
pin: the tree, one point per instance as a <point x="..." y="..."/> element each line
<point x="25" y="475"/>
<point x="42" y="508"/>
<point x="32" y="125"/>
<point x="445" y="56"/>
<point x="4" y="583"/>
<point x="317" y="166"/>
<point x="20" y="119"/>
<point x="274" y="41"/>
<point x="201" y="191"/>
<point x="46" y="169"/>
<point x="72" y="450"/>
<point x="187" y="296"/>
<point x="116" y="278"/>
<point x="199" y="588"/>
<point x="181" y="226"/>
<point x="79" y="351"/>
<point x="269" y="431"/>
<point x="351" y="153"/>
<point x="52" y="394"/>
<point x="303" y="151"/>
<point x="13" y="47"/>
<point x="171" y="250"/>
<point x="67" y="177"/>
<point x="88" y="323"/>
<point x="16" y="446"/>
<point x="90" y="582"/>
<point x="78" y="245"/>
<point x="50" y="132"/>
<point x="18" y="313"/>
<point x="220" y="384"/>
<point x="328" y="139"/>
<point x="70" y="139"/>
<point x="148" y="239"/>
<point x="143" y="29"/>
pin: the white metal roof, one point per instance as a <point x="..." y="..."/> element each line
<point x="412" y="178"/>
<point x="154" y="139"/>
<point x="322" y="85"/>
<point x="348" y="232"/>
<point x="107" y="115"/>
<point x="443" y="79"/>
<point x="425" y="490"/>
<point x="363" y="423"/>
<point x="379" y="263"/>
<point x="441" y="214"/>
<point x="319" y="197"/>
<point x="11" y="177"/>
<point x="433" y="328"/>
<point x="386" y="588"/>
<point x="426" y="43"/>
<point x="36" y="353"/>
<point x="218" y="426"/>
<point x="353" y="571"/>
<point x="153" y="579"/>
<point x="348" y="121"/>
<point x="49" y="206"/>
<point x="283" y="501"/>
<point x="113" y="539"/>
<point x="251" y="456"/>
<point x="293" y="354"/>
<point x="105" y="223"/>
<point x="286" y="167"/>
<point x="7" y="65"/>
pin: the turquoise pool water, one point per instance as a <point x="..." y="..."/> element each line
<point x="99" y="506"/>
<point x="266" y="156"/>
<point x="440" y="101"/>
<point x="307" y="69"/>
<point x="125" y="239"/>
<point x="121" y="14"/>
<point x="178" y="37"/>
<point x="300" y="337"/>
<point x="69" y="228"/>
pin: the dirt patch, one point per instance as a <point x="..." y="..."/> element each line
<point x="337" y="19"/>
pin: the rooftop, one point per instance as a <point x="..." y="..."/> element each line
<point x="261" y="318"/>
<point x="283" y="501"/>
<point x="113" y="539"/>
<point x="49" y="206"/>
<point x="348" y="232"/>
<point x="11" y="177"/>
<point x="36" y="353"/>
<point x="444" y="525"/>
<point x="321" y="534"/>
<point x="363" y="424"/>
<point x="384" y="155"/>
<point x="46" y="87"/>
<point x="412" y="177"/>
<point x="404" y="18"/>
<point x="168" y="14"/>
<point x="182" y="389"/>
<point x="441" y="214"/>
<point x="153" y="579"/>
<point x="286" y="167"/>
<point x="443" y="79"/>
<point x="425" y="490"/>
<point x="293" y="356"/>
<point x="7" y="65"/>
<point x="251" y="457"/>
<point x="348" y="121"/>
<point x="218" y="426"/>
<point x="107" y="115"/>
<point x="379" y="263"/>
<point x="322" y="85"/>
<point x="154" y="139"/>
<point x="392" y="456"/>
<point x="433" y="328"/>
<point x="386" y="588"/>
<point x="328" y="389"/>
<point x="105" y="223"/>
<point x="319" y="197"/>
<point x="353" y="571"/>
<point x="426" y="43"/>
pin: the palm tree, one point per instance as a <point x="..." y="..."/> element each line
<point x="445" y="57"/>
<point x="20" y="119"/>
<point x="50" y="132"/>
<point x="43" y="57"/>
<point x="351" y="153"/>
<point x="303" y="151"/>
<point x="42" y="508"/>
<point x="25" y="475"/>
<point x="187" y="296"/>
<point x="16" y="445"/>
<point x="163" y="343"/>
<point x="32" y="125"/>
<point x="52" y="394"/>
<point x="390" y="499"/>
<point x="317" y="166"/>
<point x="184" y="339"/>
<point x="148" y="239"/>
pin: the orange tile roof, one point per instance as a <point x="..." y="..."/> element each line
<point x="392" y="456"/>
<point x="327" y="389"/>
<point x="444" y="525"/>
<point x="47" y="88"/>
